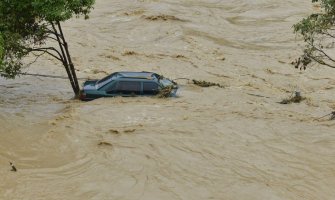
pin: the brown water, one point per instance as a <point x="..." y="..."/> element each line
<point x="232" y="143"/>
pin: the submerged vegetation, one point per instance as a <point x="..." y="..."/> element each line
<point x="206" y="83"/>
<point x="103" y="143"/>
<point x="165" y="92"/>
<point x="296" y="98"/>
<point x="163" y="18"/>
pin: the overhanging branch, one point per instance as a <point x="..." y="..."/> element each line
<point x="325" y="54"/>
<point x="321" y="62"/>
<point x="47" y="50"/>
<point x="36" y="58"/>
<point x="52" y="38"/>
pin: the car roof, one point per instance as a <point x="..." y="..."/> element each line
<point x="137" y="75"/>
<point x="129" y="76"/>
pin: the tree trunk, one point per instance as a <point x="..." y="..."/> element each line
<point x="67" y="61"/>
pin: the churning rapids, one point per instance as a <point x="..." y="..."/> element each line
<point x="231" y="143"/>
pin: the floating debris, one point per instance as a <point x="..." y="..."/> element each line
<point x="104" y="144"/>
<point x="302" y="62"/>
<point x="221" y="58"/>
<point x="269" y="71"/>
<point x="179" y="56"/>
<point x="114" y="131"/>
<point x="113" y="57"/>
<point x="162" y="17"/>
<point x="13" y="167"/>
<point x="206" y="84"/>
<point x="296" y="98"/>
<point x="95" y="71"/>
<point x="129" y="53"/>
<point x="332" y="116"/>
<point x="129" y="130"/>
<point x="134" y="12"/>
<point x="165" y="92"/>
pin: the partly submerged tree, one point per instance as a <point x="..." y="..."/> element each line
<point x="318" y="31"/>
<point x="26" y="25"/>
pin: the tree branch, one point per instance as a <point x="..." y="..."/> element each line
<point x="321" y="51"/>
<point x="328" y="34"/>
<point x="322" y="62"/>
<point x="50" y="31"/>
<point x="52" y="38"/>
<point x="36" y="58"/>
<point x="58" y="39"/>
<point x="46" y="50"/>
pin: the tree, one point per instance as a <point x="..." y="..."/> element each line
<point x="26" y="25"/>
<point x="318" y="31"/>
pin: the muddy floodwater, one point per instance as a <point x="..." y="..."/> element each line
<point x="231" y="143"/>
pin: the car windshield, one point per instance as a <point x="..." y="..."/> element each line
<point x="105" y="80"/>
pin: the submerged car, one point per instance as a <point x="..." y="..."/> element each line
<point x="127" y="84"/>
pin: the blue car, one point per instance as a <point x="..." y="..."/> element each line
<point x="127" y="84"/>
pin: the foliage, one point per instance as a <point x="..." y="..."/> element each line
<point x="26" y="25"/>
<point x="318" y="32"/>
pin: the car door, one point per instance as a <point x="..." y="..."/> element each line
<point x="110" y="89"/>
<point x="125" y="88"/>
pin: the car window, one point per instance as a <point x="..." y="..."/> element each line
<point x="129" y="87"/>
<point x="111" y="87"/>
<point x="150" y="88"/>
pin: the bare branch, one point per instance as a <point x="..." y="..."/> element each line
<point x="321" y="51"/>
<point x="319" y="60"/>
<point x="328" y="34"/>
<point x="47" y="50"/>
<point x="36" y="58"/>
<point x="326" y="55"/>
<point x="52" y="38"/>
<point x="61" y="44"/>
<point x="52" y="31"/>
